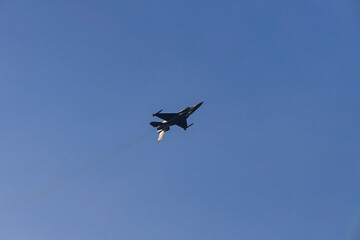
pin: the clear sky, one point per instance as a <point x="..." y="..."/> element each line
<point x="273" y="154"/>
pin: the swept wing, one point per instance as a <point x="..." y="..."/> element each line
<point x="182" y="124"/>
<point x="166" y="116"/>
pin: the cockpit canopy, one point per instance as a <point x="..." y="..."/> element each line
<point x="185" y="109"/>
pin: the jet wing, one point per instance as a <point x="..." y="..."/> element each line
<point x="166" y="116"/>
<point x="182" y="124"/>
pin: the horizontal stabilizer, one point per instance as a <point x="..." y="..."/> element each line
<point x="155" y="124"/>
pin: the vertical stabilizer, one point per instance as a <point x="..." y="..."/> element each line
<point x="161" y="135"/>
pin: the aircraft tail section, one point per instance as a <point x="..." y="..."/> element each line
<point x="162" y="128"/>
<point x="161" y="135"/>
<point x="155" y="124"/>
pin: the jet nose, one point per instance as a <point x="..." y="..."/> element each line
<point x="198" y="105"/>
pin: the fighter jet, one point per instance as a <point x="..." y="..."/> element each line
<point x="170" y="119"/>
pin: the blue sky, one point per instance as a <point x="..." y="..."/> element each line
<point x="274" y="151"/>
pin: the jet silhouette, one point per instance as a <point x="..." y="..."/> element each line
<point x="170" y="119"/>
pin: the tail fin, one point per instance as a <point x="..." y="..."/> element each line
<point x="161" y="135"/>
<point x="155" y="124"/>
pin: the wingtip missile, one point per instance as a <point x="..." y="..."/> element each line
<point x="157" y="113"/>
<point x="188" y="126"/>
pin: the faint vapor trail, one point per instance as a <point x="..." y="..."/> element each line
<point x="36" y="195"/>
